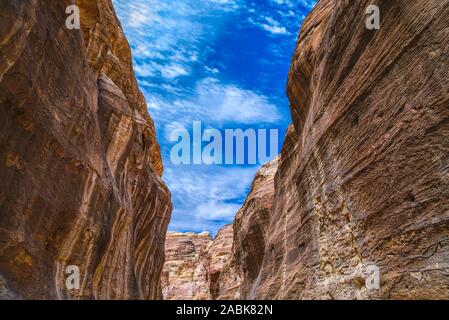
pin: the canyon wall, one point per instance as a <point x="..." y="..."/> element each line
<point x="250" y="227"/>
<point x="361" y="191"/>
<point x="194" y="263"/>
<point x="185" y="275"/>
<point x="80" y="166"/>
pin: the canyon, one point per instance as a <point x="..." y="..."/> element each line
<point x="362" y="181"/>
<point x="80" y="166"/>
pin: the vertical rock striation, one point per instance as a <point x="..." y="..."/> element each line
<point x="80" y="166"/>
<point x="221" y="275"/>
<point x="363" y="177"/>
<point x="240" y="275"/>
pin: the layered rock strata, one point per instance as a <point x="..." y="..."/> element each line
<point x="360" y="205"/>
<point x="80" y="166"/>
<point x="194" y="263"/>
<point x="185" y="274"/>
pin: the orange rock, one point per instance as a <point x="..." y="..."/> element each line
<point x="80" y="171"/>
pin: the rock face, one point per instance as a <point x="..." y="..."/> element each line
<point x="194" y="263"/>
<point x="80" y="165"/>
<point x="250" y="237"/>
<point x="219" y="256"/>
<point x="185" y="275"/>
<point x="363" y="178"/>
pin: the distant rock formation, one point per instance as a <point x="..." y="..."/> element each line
<point x="194" y="263"/>
<point x="185" y="274"/>
<point x="80" y="166"/>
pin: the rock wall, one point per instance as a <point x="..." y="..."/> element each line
<point x="80" y="166"/>
<point x="219" y="257"/>
<point x="185" y="274"/>
<point x="194" y="263"/>
<point x="363" y="178"/>
<point x="251" y="223"/>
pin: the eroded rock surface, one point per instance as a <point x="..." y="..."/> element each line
<point x="251" y="223"/>
<point x="80" y="165"/>
<point x="185" y="274"/>
<point x="363" y="177"/>
<point x="194" y="264"/>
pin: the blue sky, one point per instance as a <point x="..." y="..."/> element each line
<point x="222" y="62"/>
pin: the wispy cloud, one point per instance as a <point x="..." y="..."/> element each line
<point x="270" y="25"/>
<point x="223" y="62"/>
<point x="211" y="195"/>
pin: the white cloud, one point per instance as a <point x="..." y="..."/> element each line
<point x="212" y="70"/>
<point x="173" y="71"/>
<point x="214" y="210"/>
<point x="275" y="29"/>
<point x="290" y="3"/>
<point x="228" y="102"/>
<point x="270" y="25"/>
<point x="216" y="104"/>
<point x="203" y="195"/>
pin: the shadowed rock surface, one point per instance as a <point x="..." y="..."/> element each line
<point x="363" y="176"/>
<point x="80" y="165"/>
<point x="251" y="223"/>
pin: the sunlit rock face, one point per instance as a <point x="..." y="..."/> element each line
<point x="194" y="264"/>
<point x="80" y="165"/>
<point x="363" y="177"/>
<point x="185" y="274"/>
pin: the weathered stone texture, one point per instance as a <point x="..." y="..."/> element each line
<point x="185" y="274"/>
<point x="363" y="176"/>
<point x="194" y="264"/>
<point x="80" y="165"/>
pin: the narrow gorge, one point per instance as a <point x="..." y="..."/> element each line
<point x="361" y="184"/>
<point x="363" y="177"/>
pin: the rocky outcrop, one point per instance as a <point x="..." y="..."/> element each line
<point x="194" y="264"/>
<point x="362" y="188"/>
<point x="185" y="275"/>
<point x="221" y="278"/>
<point x="250" y="237"/>
<point x="80" y="165"/>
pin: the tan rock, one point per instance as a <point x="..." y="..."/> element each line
<point x="185" y="273"/>
<point x="194" y="263"/>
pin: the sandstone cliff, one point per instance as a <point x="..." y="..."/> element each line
<point x="363" y="177"/>
<point x="194" y="263"/>
<point x="250" y="227"/>
<point x="80" y="165"/>
<point x="185" y="274"/>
